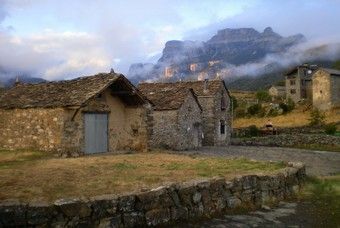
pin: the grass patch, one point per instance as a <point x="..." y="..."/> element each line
<point x="332" y="148"/>
<point x="296" y="118"/>
<point x="32" y="175"/>
<point x="324" y="197"/>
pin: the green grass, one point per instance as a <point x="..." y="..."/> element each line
<point x="324" y="197"/>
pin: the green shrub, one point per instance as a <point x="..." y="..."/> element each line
<point x="290" y="104"/>
<point x="240" y="113"/>
<point x="330" y="129"/>
<point x="317" y="118"/>
<point x="263" y="95"/>
<point x="273" y="112"/>
<point x="254" y="109"/>
<point x="252" y="131"/>
<point x="284" y="107"/>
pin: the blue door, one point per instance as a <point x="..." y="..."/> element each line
<point x="96" y="133"/>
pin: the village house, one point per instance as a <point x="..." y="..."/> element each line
<point x="176" y="117"/>
<point x="326" y="89"/>
<point x="277" y="91"/>
<point x="86" y="115"/>
<point x="214" y="99"/>
<point x="299" y="83"/>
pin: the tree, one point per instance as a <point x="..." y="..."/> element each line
<point x="263" y="95"/>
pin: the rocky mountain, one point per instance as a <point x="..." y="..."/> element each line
<point x="221" y="53"/>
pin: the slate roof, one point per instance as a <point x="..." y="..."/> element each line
<point x="59" y="93"/>
<point x="168" y="96"/>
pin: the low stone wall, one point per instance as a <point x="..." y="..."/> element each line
<point x="164" y="205"/>
<point x="285" y="140"/>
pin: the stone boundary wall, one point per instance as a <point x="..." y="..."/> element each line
<point x="163" y="205"/>
<point x="285" y="140"/>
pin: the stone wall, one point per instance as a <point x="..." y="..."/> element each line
<point x="164" y="205"/>
<point x="178" y="129"/>
<point x="32" y="128"/>
<point x="286" y="140"/>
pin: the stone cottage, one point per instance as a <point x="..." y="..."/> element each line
<point x="176" y="117"/>
<point x="214" y="99"/>
<point x="277" y="91"/>
<point x="87" y="115"/>
<point x="299" y="82"/>
<point x="326" y="89"/>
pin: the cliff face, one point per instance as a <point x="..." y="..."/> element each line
<point x="228" y="47"/>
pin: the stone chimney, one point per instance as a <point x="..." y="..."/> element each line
<point x="17" y="81"/>
<point x="205" y="85"/>
<point x="112" y="71"/>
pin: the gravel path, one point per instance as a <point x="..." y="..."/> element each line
<point x="318" y="163"/>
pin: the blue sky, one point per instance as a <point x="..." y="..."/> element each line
<point x="58" y="39"/>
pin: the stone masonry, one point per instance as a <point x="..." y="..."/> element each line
<point x="160" y="206"/>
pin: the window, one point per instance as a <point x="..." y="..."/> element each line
<point x="222" y="127"/>
<point x="293" y="91"/>
<point x="223" y="103"/>
<point x="292" y="82"/>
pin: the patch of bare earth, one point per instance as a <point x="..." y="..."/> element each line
<point x="33" y="175"/>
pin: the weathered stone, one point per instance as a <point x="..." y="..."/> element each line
<point x="233" y="202"/>
<point x="157" y="217"/>
<point x="133" y="219"/>
<point x="126" y="203"/>
<point x="179" y="213"/>
<point x="104" y="206"/>
<point x="196" y="197"/>
<point x="73" y="208"/>
<point x="115" y="221"/>
<point x="185" y="193"/>
<point x="153" y="199"/>
<point x="40" y="213"/>
<point x="12" y="213"/>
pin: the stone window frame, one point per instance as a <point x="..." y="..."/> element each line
<point x="292" y="82"/>
<point x="223" y="103"/>
<point x="293" y="91"/>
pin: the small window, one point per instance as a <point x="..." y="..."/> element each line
<point x="292" y="82"/>
<point x="293" y="91"/>
<point x="320" y="91"/>
<point x="222" y="127"/>
<point x="223" y="103"/>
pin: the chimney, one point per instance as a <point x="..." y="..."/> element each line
<point x="17" y="82"/>
<point x="112" y="71"/>
<point x="205" y="84"/>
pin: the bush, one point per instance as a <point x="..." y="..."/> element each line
<point x="287" y="107"/>
<point x="273" y="112"/>
<point x="252" y="131"/>
<point x="254" y="109"/>
<point x="263" y="95"/>
<point x="330" y="129"/>
<point x="240" y="113"/>
<point x="317" y="118"/>
<point x="284" y="107"/>
<point x="290" y="104"/>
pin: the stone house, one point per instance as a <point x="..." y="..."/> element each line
<point x="87" y="115"/>
<point x="326" y="89"/>
<point x="299" y="82"/>
<point x="214" y="99"/>
<point x="176" y="117"/>
<point x="277" y="91"/>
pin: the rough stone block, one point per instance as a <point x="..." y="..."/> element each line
<point x="157" y="217"/>
<point x="126" y="203"/>
<point x="104" y="206"/>
<point x="73" y="208"/>
<point x="179" y="213"/>
<point x="12" y="214"/>
<point x="233" y="202"/>
<point x="133" y="219"/>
